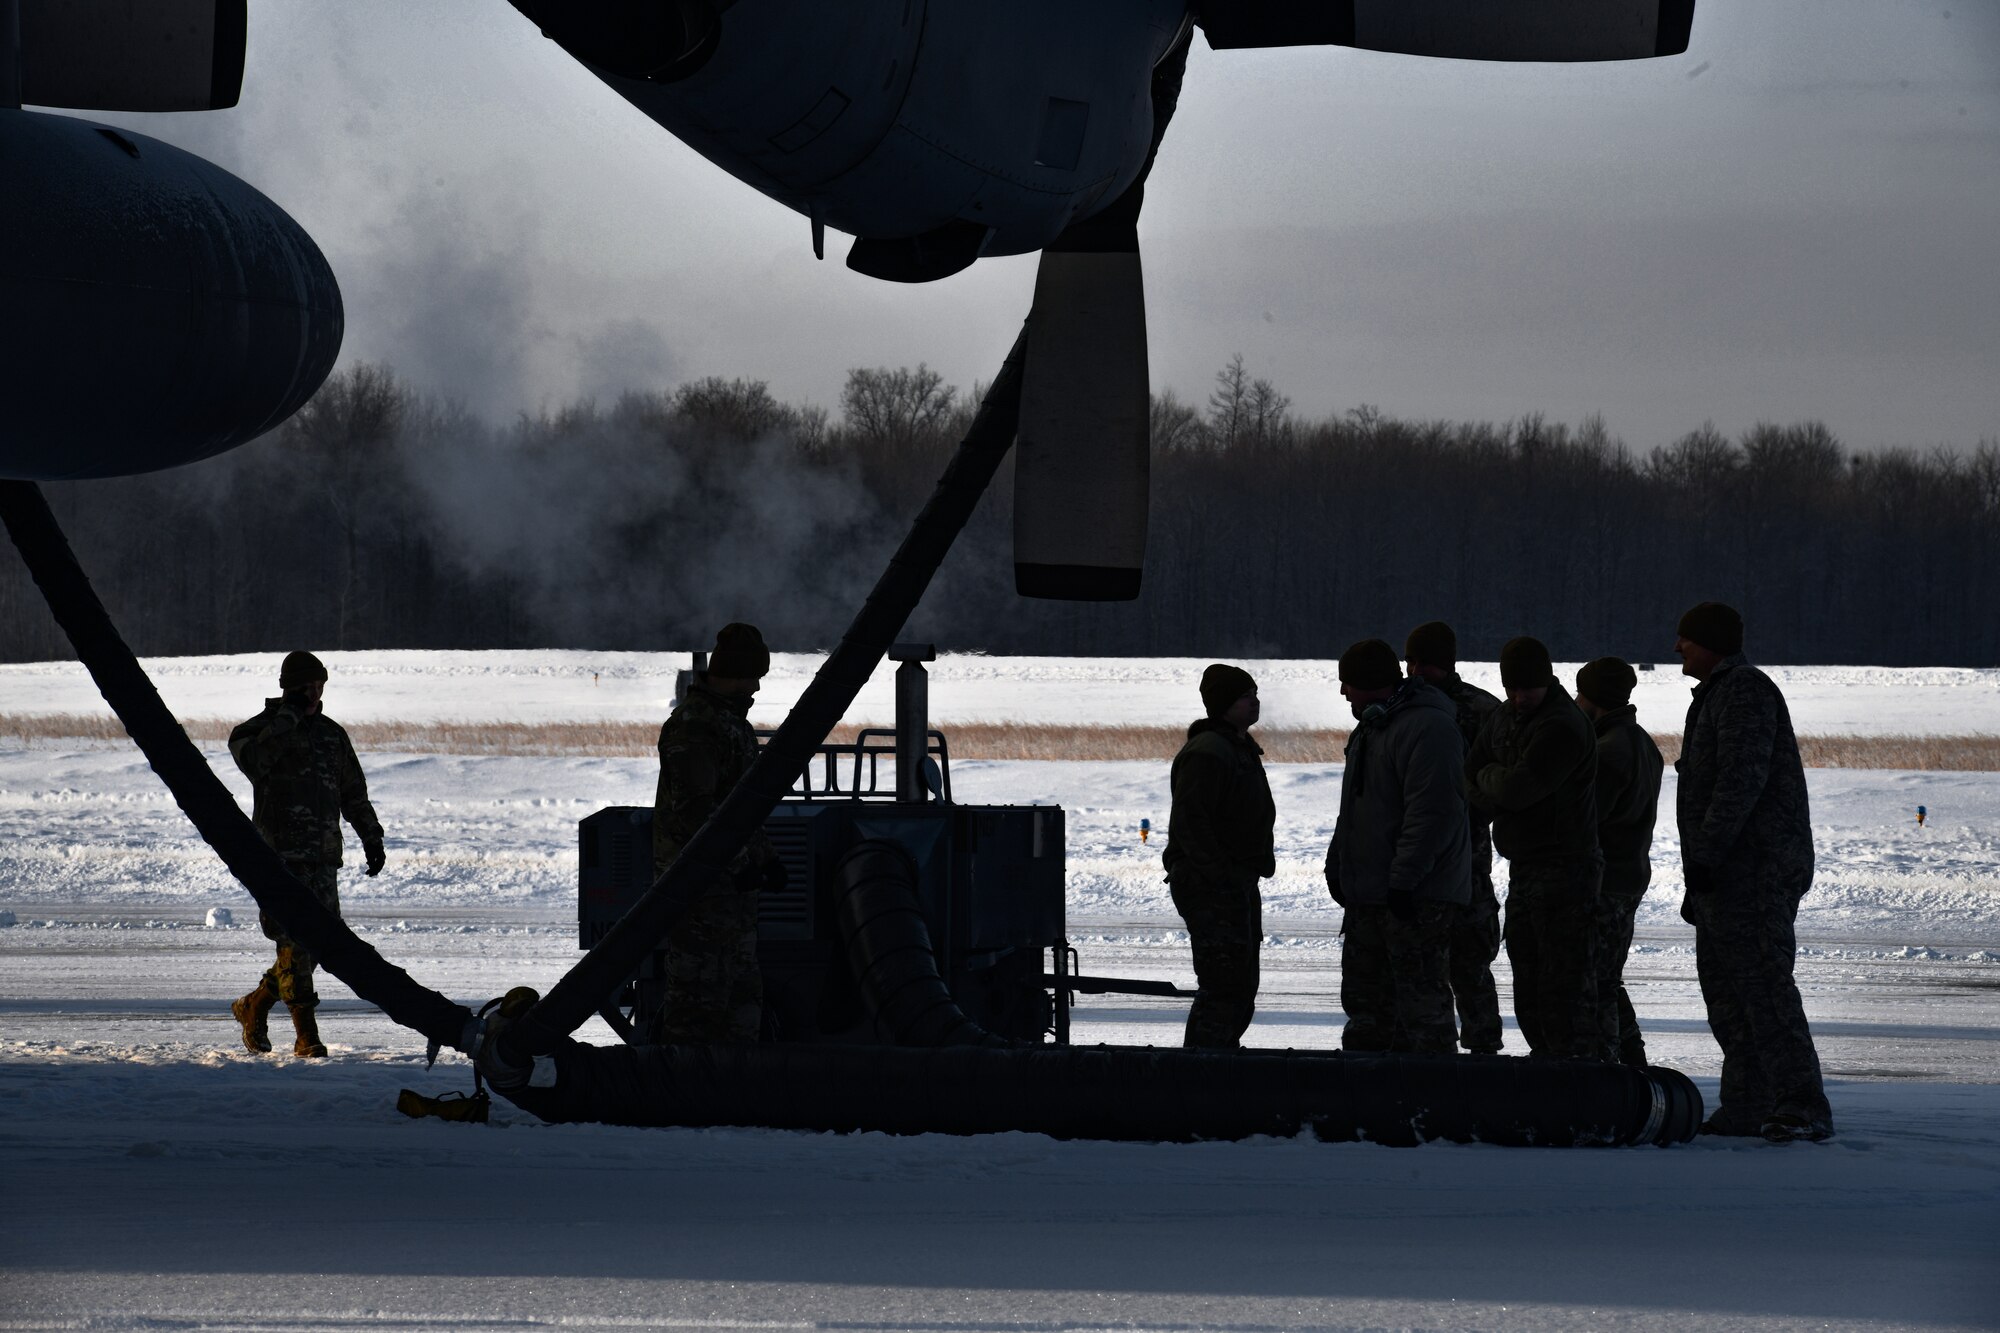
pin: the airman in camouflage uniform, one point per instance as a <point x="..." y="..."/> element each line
<point x="714" y="990"/>
<point x="1628" y="798"/>
<point x="1534" y="769"/>
<point x="306" y="779"/>
<point x="1747" y="859"/>
<point x="1431" y="653"/>
<point x="1219" y="844"/>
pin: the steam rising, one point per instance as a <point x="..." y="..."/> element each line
<point x="628" y="527"/>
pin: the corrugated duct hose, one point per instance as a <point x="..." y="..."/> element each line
<point x="200" y="793"/>
<point x="1108" y="1092"/>
<point x="888" y="947"/>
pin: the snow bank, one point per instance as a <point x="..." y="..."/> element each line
<point x="566" y="686"/>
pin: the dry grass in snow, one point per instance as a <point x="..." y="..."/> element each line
<point x="976" y="740"/>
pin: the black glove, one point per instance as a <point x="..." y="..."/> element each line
<point x="773" y="876"/>
<point x="377" y="857"/>
<point x="1402" y="905"/>
<point x="1333" y="871"/>
<point x="1698" y="878"/>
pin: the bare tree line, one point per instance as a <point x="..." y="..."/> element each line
<point x="379" y="518"/>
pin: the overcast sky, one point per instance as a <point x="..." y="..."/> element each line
<point x="1799" y="218"/>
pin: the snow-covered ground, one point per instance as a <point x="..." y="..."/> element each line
<point x="550" y="686"/>
<point x="153" y="1176"/>
<point x="94" y="827"/>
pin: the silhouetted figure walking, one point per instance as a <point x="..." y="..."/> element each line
<point x="306" y="778"/>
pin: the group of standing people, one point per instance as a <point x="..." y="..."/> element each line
<point x="1439" y="776"/>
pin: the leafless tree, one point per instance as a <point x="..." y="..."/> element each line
<point x="1229" y="403"/>
<point x="1174" y="424"/>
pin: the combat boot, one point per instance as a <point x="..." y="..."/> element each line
<point x="308" y="1045"/>
<point x="1792" y="1125"/>
<point x="253" y="1011"/>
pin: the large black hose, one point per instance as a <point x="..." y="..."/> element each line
<point x="600" y="973"/>
<point x="888" y="945"/>
<point x="199" y="792"/>
<point x="1104" y="1092"/>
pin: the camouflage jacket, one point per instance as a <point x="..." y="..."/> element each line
<point x="1220" y="825"/>
<point x="1628" y="786"/>
<point x="306" y="778"/>
<point x="1742" y="795"/>
<point x="1473" y="706"/>
<point x="706" y="746"/>
<point x="1536" y="774"/>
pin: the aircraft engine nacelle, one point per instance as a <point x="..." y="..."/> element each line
<point x="156" y="309"/>
<point x="935" y="132"/>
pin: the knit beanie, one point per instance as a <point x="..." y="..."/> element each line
<point x="1222" y="685"/>
<point x="1370" y="665"/>
<point x="739" y="653"/>
<point x="1434" y="645"/>
<point x="1607" y="682"/>
<point x="1714" y="626"/>
<point x="1524" y="664"/>
<point x="300" y="668"/>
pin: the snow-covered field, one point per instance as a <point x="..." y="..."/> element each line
<point x="153" y="1176"/>
<point x="567" y="686"/>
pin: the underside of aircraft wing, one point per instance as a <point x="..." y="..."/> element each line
<point x="1519" y="30"/>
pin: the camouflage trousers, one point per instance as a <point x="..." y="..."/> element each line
<point x="1617" y="905"/>
<point x="1225" y="924"/>
<point x="1395" y="979"/>
<point x="1551" y="943"/>
<point x="1744" y="949"/>
<point x="1475" y="943"/>
<point x="714" y="990"/>
<point x="292" y="975"/>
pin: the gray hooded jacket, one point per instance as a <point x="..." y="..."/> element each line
<point x="1403" y="823"/>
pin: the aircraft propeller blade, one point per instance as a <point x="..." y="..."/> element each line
<point x="115" y="55"/>
<point x="1528" y="30"/>
<point x="1082" y="460"/>
<point x="1083" y="456"/>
